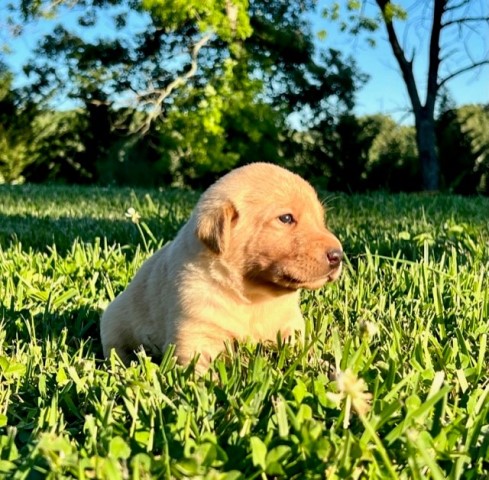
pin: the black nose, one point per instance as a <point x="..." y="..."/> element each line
<point x="334" y="257"/>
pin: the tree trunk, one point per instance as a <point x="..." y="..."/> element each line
<point x="428" y="156"/>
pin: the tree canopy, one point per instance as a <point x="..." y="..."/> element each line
<point x="151" y="92"/>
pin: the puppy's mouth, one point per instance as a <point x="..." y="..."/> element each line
<point x="311" y="284"/>
<point x="292" y="282"/>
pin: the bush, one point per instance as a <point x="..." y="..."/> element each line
<point x="15" y="132"/>
<point x="463" y="145"/>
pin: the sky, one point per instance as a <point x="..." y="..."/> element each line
<point x="384" y="92"/>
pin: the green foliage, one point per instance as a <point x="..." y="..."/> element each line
<point x="358" y="154"/>
<point x="353" y="18"/>
<point x="259" y="88"/>
<point x="409" y="317"/>
<point x="463" y="143"/>
<point x="394" y="11"/>
<point x="228" y="125"/>
<point x="202" y="112"/>
<point x="393" y="157"/>
<point x="16" y="133"/>
<point x="14" y="156"/>
<point x="227" y="19"/>
<point x="59" y="137"/>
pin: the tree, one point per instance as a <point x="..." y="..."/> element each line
<point x="449" y="23"/>
<point x="148" y="69"/>
<point x="16" y="132"/>
<point x="463" y="143"/>
<point x="392" y="164"/>
<point x="213" y="82"/>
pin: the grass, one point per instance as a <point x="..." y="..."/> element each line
<point x="406" y="327"/>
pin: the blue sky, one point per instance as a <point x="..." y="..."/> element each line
<point x="383" y="93"/>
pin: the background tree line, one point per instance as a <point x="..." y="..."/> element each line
<point x="213" y="85"/>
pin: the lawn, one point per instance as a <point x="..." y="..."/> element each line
<point x="393" y="381"/>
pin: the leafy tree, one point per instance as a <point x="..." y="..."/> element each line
<point x="16" y="134"/>
<point x="448" y="24"/>
<point x="373" y="152"/>
<point x="393" y="163"/>
<point x="245" y="68"/>
<point x="463" y="142"/>
<point x="98" y="74"/>
<point x="246" y="101"/>
<point x="360" y="154"/>
<point x="58" y="150"/>
<point x="355" y="139"/>
<point x="227" y="126"/>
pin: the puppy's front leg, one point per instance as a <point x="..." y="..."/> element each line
<point x="206" y="345"/>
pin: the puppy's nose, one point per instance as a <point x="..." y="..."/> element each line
<point x="334" y="257"/>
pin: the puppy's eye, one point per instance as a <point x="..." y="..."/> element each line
<point x="287" y="218"/>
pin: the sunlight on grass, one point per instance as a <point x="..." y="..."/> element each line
<point x="392" y="382"/>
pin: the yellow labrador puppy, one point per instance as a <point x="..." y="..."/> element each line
<point x="234" y="270"/>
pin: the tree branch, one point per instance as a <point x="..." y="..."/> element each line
<point x="162" y="94"/>
<point x="405" y="65"/>
<point x="464" y="20"/>
<point x="434" y="55"/>
<point x="448" y="54"/>
<point x="462" y="70"/>
<point x="451" y="8"/>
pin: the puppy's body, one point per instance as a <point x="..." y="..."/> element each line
<point x="233" y="272"/>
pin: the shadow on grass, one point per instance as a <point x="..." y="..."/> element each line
<point x="39" y="216"/>
<point x="54" y="342"/>
<point x="40" y="233"/>
<point x="71" y="327"/>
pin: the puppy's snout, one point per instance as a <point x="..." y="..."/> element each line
<point x="335" y="256"/>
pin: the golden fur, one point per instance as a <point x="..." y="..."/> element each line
<point x="233" y="271"/>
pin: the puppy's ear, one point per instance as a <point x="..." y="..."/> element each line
<point x="214" y="224"/>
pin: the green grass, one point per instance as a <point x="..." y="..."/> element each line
<point x="410" y="316"/>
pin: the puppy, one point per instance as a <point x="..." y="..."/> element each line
<point x="234" y="271"/>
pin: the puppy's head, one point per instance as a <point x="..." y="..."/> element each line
<point x="269" y="224"/>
